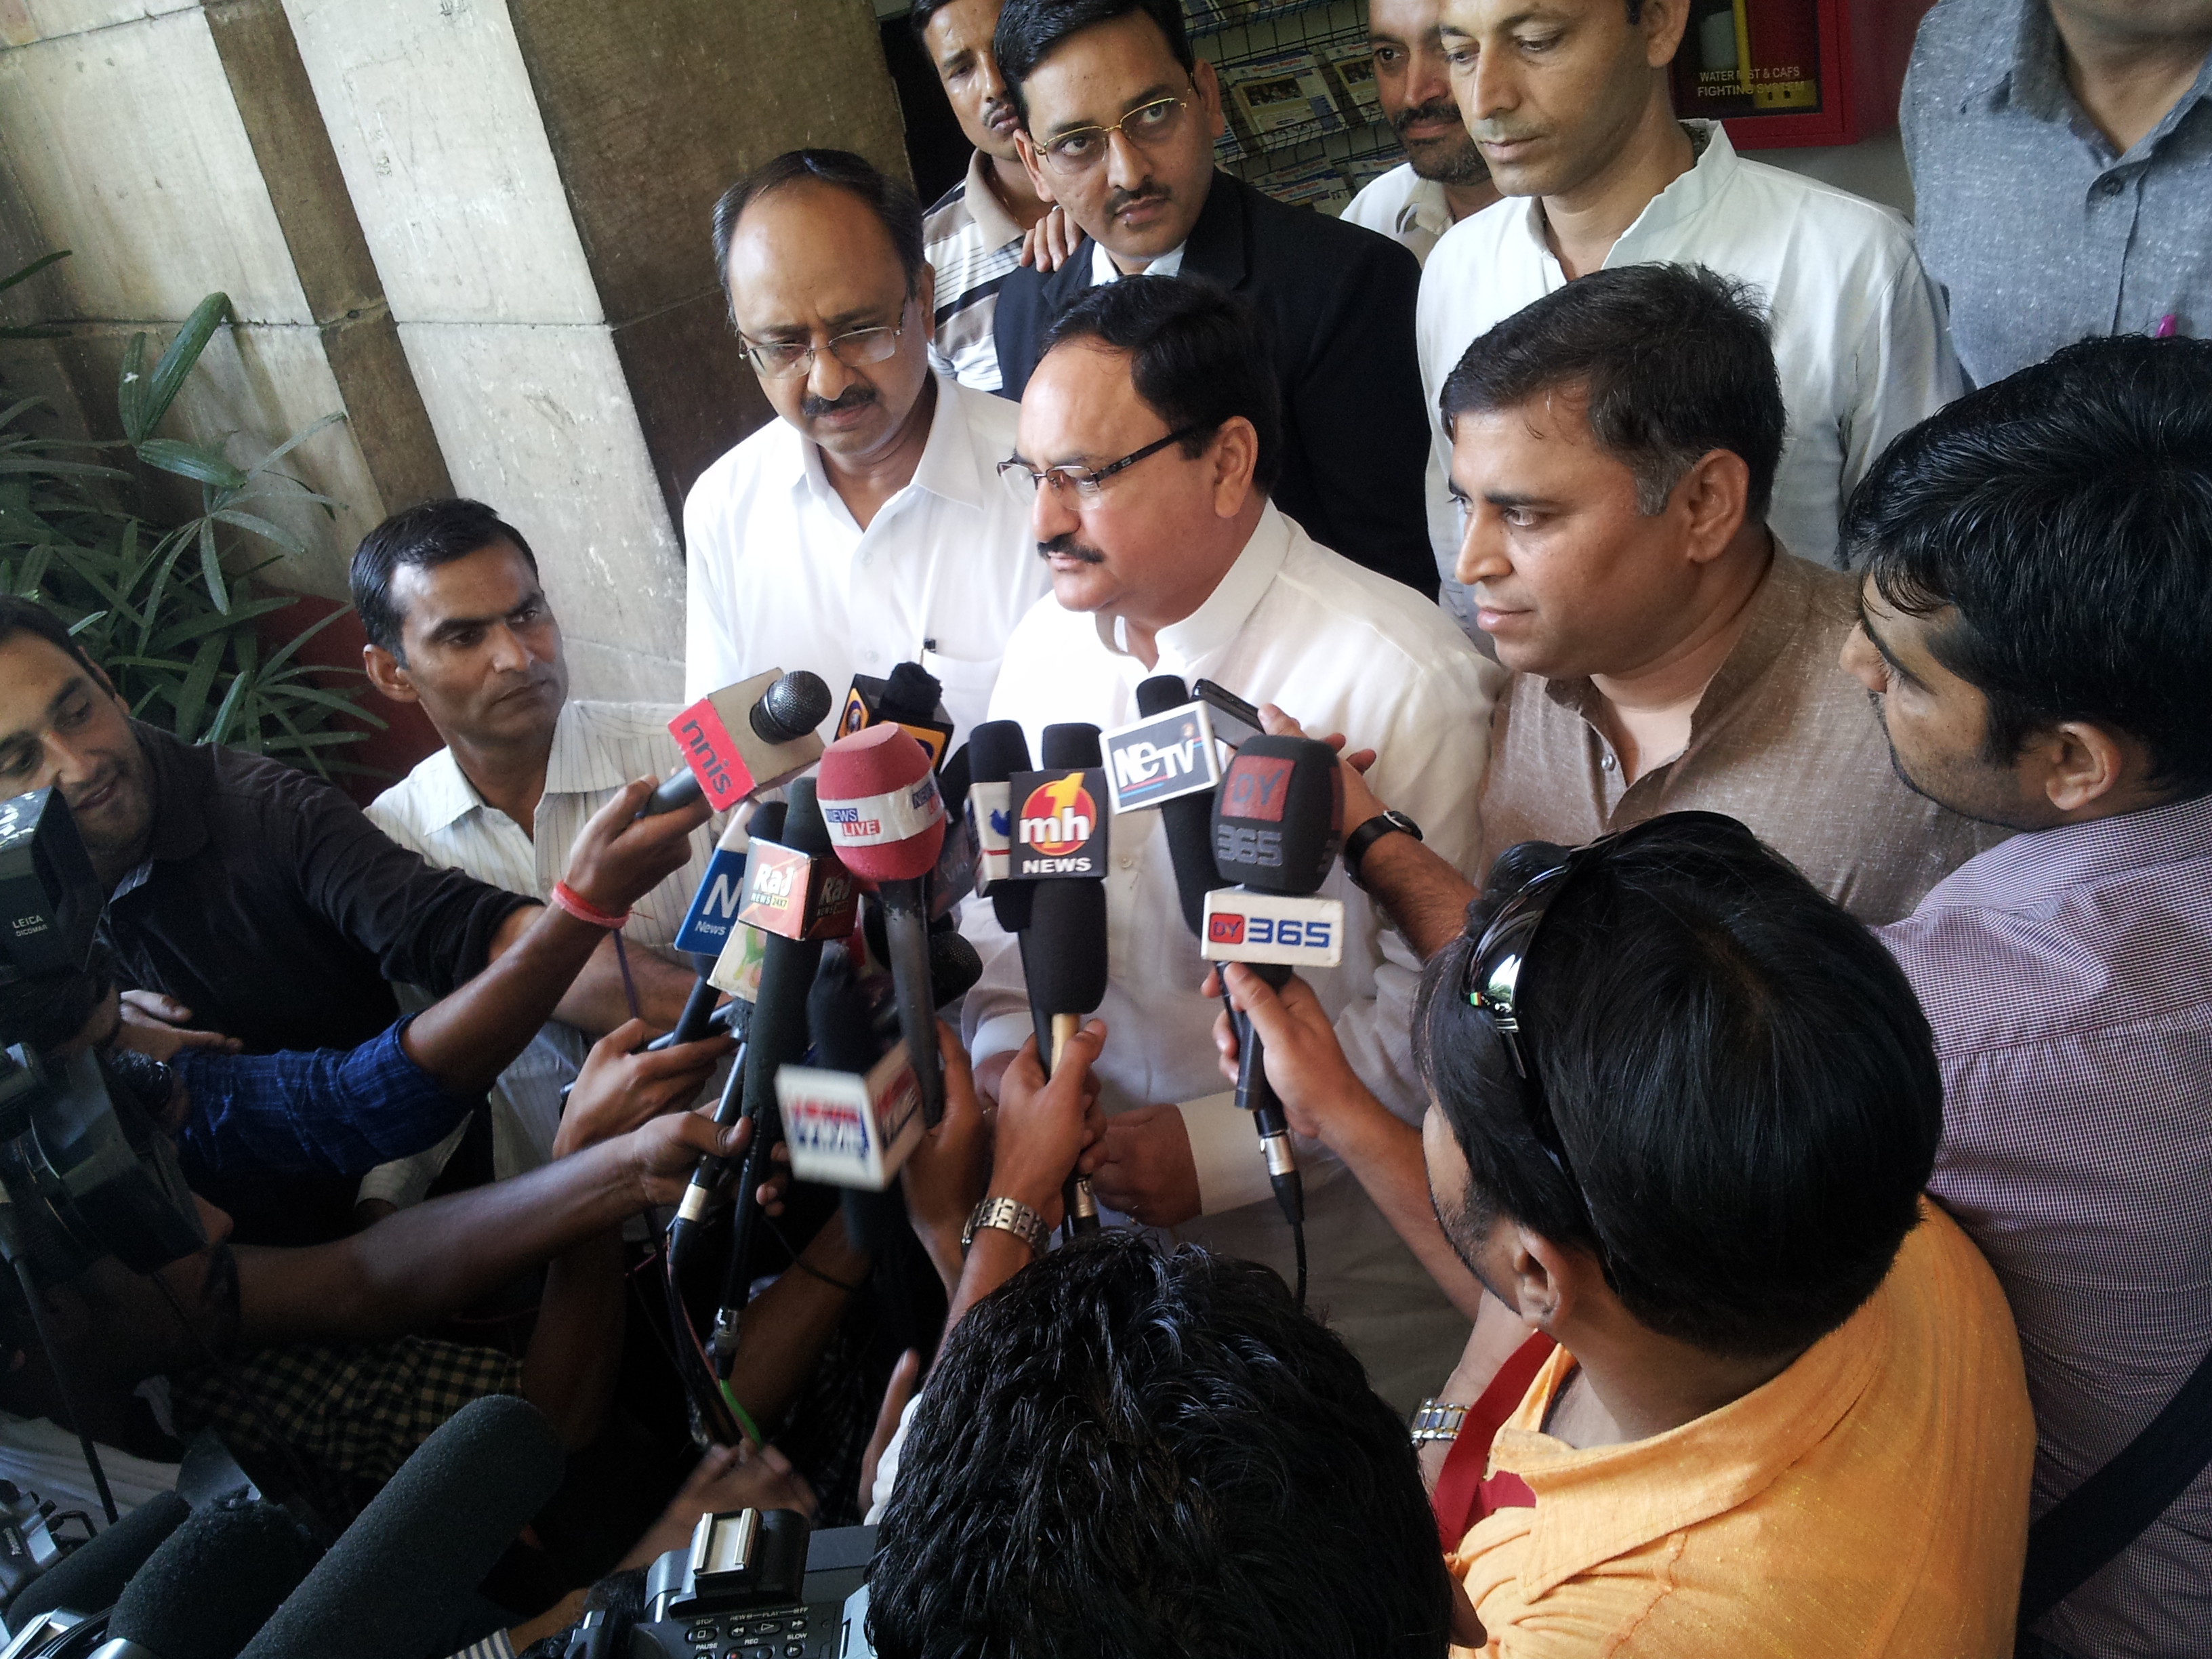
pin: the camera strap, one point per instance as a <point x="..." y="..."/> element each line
<point x="2109" y="1511"/>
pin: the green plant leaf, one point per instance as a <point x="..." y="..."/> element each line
<point x="47" y="463"/>
<point x="241" y="685"/>
<point x="211" y="566"/>
<point x="32" y="270"/>
<point x="194" y="461"/>
<point x="291" y="646"/>
<point x="131" y="393"/>
<point x="168" y="377"/>
<point x="289" y="444"/>
<point x="191" y="700"/>
<point x="261" y="527"/>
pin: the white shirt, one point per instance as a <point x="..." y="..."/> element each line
<point x="435" y="811"/>
<point x="1402" y="206"/>
<point x="1342" y="650"/>
<point x="783" y="576"/>
<point x="1104" y="271"/>
<point x="1858" y="328"/>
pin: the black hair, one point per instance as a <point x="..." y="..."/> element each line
<point x="1195" y="357"/>
<point x="425" y="537"/>
<point x="896" y="207"/>
<point x="1672" y="362"/>
<point x="1126" y="1455"/>
<point x="21" y="616"/>
<point x="1739" y="1074"/>
<point x="1030" y="31"/>
<point x="2064" y="515"/>
<point x="922" y="12"/>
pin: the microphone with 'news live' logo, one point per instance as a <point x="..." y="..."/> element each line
<point x="1278" y="823"/>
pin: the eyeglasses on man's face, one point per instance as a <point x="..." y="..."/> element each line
<point x="1025" y="482"/>
<point x="1080" y="150"/>
<point x="784" y="360"/>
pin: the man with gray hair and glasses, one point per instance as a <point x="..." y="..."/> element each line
<point x="863" y="528"/>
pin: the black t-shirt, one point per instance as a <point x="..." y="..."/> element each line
<point x="272" y="907"/>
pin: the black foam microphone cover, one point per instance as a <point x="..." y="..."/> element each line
<point x="840" y="1024"/>
<point x="1073" y="743"/>
<point x="92" y="1575"/>
<point x="1188" y="819"/>
<point x="1064" y="955"/>
<point x="1279" y="814"/>
<point x="791" y="707"/>
<point x="214" y="1582"/>
<point x="767" y="821"/>
<point x="910" y="693"/>
<point x="955" y="966"/>
<point x="996" y="750"/>
<point x="404" y="1577"/>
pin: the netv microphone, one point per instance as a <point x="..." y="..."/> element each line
<point x="744" y="738"/>
<point x="401" y="1583"/>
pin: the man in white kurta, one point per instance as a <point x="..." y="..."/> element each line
<point x="1178" y="564"/>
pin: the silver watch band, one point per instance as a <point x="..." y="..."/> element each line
<point x="1436" y="1420"/>
<point x="1008" y="1215"/>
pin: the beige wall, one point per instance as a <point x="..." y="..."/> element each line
<point x="478" y="227"/>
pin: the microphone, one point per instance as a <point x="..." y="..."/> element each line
<point x="744" y="738"/>
<point x="997" y="750"/>
<point x="1064" y="949"/>
<point x="911" y="698"/>
<point x="91" y="1576"/>
<point x="887" y="822"/>
<point x="1188" y="818"/>
<point x="214" y="1582"/>
<point x="403" y="1579"/>
<point x="1278" y="823"/>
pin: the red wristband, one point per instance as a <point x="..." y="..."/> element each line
<point x="584" y="910"/>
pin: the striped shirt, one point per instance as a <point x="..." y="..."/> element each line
<point x="973" y="244"/>
<point x="2068" y="974"/>
<point x="435" y="811"/>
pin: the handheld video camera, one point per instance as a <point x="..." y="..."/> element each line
<point x="83" y="1171"/>
<point x="752" y="1585"/>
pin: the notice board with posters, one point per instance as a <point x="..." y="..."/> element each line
<point x="1789" y="72"/>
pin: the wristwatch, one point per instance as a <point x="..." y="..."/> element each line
<point x="1008" y="1215"/>
<point x="1436" y="1420"/>
<point x="1385" y="823"/>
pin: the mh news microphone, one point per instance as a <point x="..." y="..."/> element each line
<point x="886" y="820"/>
<point x="215" y="1582"/>
<point x="1060" y="843"/>
<point x="744" y="738"/>
<point x="1278" y="823"/>
<point x="401" y="1583"/>
<point x="911" y="697"/>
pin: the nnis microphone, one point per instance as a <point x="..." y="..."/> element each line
<point x="744" y="738"/>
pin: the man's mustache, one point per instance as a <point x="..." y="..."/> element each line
<point x="1066" y="547"/>
<point x="1436" y="109"/>
<point x="1124" y="199"/>
<point x="854" y="397"/>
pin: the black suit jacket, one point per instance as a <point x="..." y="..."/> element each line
<point x="1335" y="302"/>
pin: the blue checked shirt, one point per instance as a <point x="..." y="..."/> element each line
<point x="323" y="1111"/>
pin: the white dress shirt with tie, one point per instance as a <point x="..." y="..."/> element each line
<point x="1342" y="650"/>
<point x="1859" y="335"/>
<point x="783" y="576"/>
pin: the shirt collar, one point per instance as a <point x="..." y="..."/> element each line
<point x="949" y="467"/>
<point x="2035" y="867"/>
<point x="1190" y="645"/>
<point x="1424" y="207"/>
<point x="1685" y="197"/>
<point x="997" y="224"/>
<point x="443" y="795"/>
<point x="1104" y="271"/>
<point x="578" y="766"/>
<point x="1598" y="1503"/>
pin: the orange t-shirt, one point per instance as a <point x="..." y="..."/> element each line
<point x="1871" y="1501"/>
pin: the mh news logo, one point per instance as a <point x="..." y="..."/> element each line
<point x="1057" y="817"/>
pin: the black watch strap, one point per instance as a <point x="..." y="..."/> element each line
<point x="1385" y="823"/>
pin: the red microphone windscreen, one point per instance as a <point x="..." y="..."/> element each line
<point x="879" y="799"/>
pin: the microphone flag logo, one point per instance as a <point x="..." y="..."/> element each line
<point x="1059" y="818"/>
<point x="1059" y="824"/>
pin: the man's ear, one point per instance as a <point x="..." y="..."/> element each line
<point x="1209" y="97"/>
<point x="1539" y="1277"/>
<point x="1236" y="458"/>
<point x="387" y="675"/>
<point x="1715" y="493"/>
<point x="1661" y="23"/>
<point x="1032" y="164"/>
<point x="2082" y="766"/>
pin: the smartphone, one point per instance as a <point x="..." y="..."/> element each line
<point x="1236" y="722"/>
